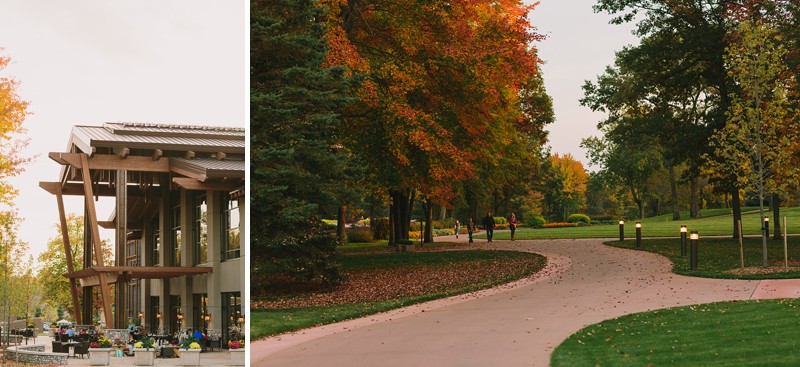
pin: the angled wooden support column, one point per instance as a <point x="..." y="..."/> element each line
<point x="98" y="248"/>
<point x="68" y="253"/>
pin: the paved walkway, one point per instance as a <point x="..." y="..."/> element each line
<point x="215" y="358"/>
<point x="519" y="324"/>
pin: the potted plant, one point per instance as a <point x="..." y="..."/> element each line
<point x="236" y="348"/>
<point x="190" y="352"/>
<point x="100" y="352"/>
<point x="144" y="352"/>
<point x="405" y="245"/>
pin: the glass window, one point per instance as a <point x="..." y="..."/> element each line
<point x="230" y="227"/>
<point x="232" y="318"/>
<point x="200" y="228"/>
<point x="200" y="310"/>
<point x="155" y="229"/>
<point x="175" y="231"/>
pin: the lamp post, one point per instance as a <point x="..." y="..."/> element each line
<point x="683" y="241"/>
<point x="694" y="237"/>
<point x="622" y="230"/>
<point x="206" y="319"/>
<point x="180" y="320"/>
<point x="638" y="234"/>
<point x="766" y="226"/>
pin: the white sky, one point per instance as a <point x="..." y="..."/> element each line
<point x="91" y="61"/>
<point x="579" y="45"/>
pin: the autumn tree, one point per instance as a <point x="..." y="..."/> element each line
<point x="18" y="291"/>
<point x="758" y="139"/>
<point x="564" y="186"/>
<point x="13" y="111"/>
<point x="54" y="263"/>
<point x="441" y="93"/>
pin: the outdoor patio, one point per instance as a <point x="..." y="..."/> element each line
<point x="208" y="358"/>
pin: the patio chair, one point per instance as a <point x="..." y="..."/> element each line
<point x="82" y="349"/>
<point x="58" y="347"/>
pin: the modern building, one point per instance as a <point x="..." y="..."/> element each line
<point x="178" y="223"/>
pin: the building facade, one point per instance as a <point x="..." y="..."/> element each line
<point x="178" y="223"/>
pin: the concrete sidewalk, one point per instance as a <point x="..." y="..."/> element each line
<point x="519" y="324"/>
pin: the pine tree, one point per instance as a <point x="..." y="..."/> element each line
<point x="297" y="162"/>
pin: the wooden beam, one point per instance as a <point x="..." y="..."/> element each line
<point x="113" y="162"/>
<point x="68" y="255"/>
<point x="192" y="184"/>
<point x="98" y="247"/>
<point x="122" y="152"/>
<point x="76" y="189"/>
<point x="140" y="272"/>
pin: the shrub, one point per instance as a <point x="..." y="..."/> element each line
<point x="535" y="221"/>
<point x="443" y="232"/>
<point x="330" y="223"/>
<point x="560" y="225"/>
<point x="500" y="220"/>
<point x="359" y="235"/>
<point x="380" y="228"/>
<point x="579" y="218"/>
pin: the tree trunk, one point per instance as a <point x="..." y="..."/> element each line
<point x="694" y="204"/>
<point x="392" y="241"/>
<point x="403" y="205"/>
<point x="736" y="204"/>
<point x="640" y="205"/>
<point x="428" y="208"/>
<point x="340" y="222"/>
<point x="775" y="203"/>
<point x="673" y="185"/>
<point x="443" y="213"/>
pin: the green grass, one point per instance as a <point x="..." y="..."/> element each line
<point x="754" y="333"/>
<point x="266" y="322"/>
<point x="716" y="256"/>
<point x="715" y="222"/>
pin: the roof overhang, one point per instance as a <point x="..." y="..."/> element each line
<point x="90" y="276"/>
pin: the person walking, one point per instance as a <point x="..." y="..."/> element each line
<point x="458" y="228"/>
<point x="488" y="225"/>
<point x="470" y="228"/>
<point x="512" y="224"/>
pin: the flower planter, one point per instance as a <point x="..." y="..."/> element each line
<point x="100" y="356"/>
<point x="190" y="357"/>
<point x="237" y="357"/>
<point x="144" y="356"/>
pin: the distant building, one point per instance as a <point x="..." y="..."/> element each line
<point x="179" y="223"/>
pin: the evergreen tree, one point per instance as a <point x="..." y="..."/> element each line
<point x="297" y="163"/>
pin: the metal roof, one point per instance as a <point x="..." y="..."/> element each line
<point x="210" y="168"/>
<point x="157" y="136"/>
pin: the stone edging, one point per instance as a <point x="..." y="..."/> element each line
<point x="35" y="353"/>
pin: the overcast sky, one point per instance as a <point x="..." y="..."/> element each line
<point x="578" y="47"/>
<point x="85" y="62"/>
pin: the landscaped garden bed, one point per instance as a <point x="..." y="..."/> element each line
<point x="382" y="281"/>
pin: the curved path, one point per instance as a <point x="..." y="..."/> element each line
<point x="519" y="324"/>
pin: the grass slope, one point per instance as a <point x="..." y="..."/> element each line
<point x="754" y="333"/>
<point x="715" y="222"/>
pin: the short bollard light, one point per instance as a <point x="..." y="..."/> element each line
<point x="766" y="226"/>
<point x="638" y="234"/>
<point x="683" y="241"/>
<point x="694" y="237"/>
<point x="622" y="230"/>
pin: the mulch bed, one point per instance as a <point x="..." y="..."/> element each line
<point x="382" y="284"/>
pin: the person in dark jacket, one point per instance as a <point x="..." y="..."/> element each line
<point x="488" y="225"/>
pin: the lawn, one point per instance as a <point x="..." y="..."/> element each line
<point x="714" y="222"/>
<point x="718" y="257"/>
<point x="383" y="281"/>
<point x="753" y="333"/>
